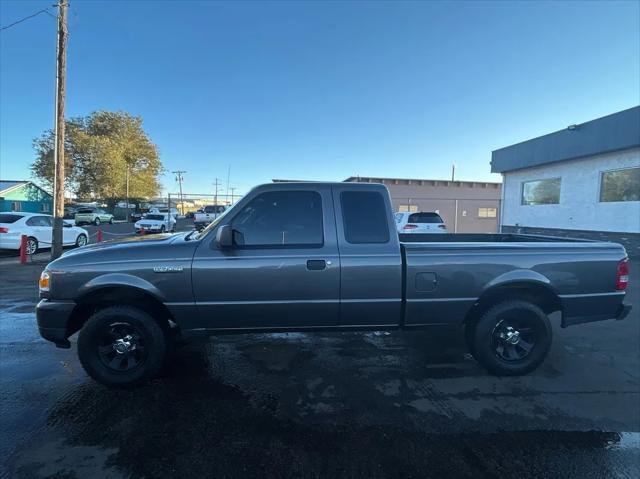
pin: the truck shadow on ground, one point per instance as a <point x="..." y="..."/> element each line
<point x="292" y="405"/>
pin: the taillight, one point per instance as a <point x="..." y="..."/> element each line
<point x="3" y="229"/>
<point x="622" y="275"/>
<point x="442" y="227"/>
<point x="409" y="227"/>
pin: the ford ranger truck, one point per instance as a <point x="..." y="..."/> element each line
<point x="323" y="257"/>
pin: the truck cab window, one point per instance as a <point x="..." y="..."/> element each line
<point x="280" y="218"/>
<point x="365" y="217"/>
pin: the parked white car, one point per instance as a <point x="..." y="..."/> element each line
<point x="38" y="228"/>
<point x="156" y="223"/>
<point x="420" y="222"/>
<point x="174" y="211"/>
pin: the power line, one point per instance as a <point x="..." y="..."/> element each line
<point x="46" y="10"/>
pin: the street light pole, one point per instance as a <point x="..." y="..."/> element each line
<point x="58" y="152"/>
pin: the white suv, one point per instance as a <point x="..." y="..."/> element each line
<point x="420" y="222"/>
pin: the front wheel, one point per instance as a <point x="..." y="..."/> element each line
<point x="121" y="346"/>
<point x="110" y="221"/>
<point x="162" y="229"/>
<point x="512" y="338"/>
<point x="81" y="240"/>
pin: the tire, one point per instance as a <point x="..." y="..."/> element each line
<point x="498" y="348"/>
<point x="102" y="355"/>
<point x="32" y="245"/>
<point x="110" y="221"/>
<point x="469" y="336"/>
<point x="81" y="240"/>
<point x="96" y="221"/>
<point x="162" y="229"/>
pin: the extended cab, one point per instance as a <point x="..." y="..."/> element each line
<point x="323" y="256"/>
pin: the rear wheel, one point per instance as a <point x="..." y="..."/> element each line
<point x="512" y="338"/>
<point x="32" y="245"/>
<point x="110" y="221"/>
<point x="96" y="221"/>
<point x="122" y="346"/>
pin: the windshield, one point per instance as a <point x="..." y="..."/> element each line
<point x="215" y="222"/>
<point x="155" y="217"/>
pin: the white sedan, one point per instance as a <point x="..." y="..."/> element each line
<point x="156" y="223"/>
<point x="419" y="222"/>
<point x="38" y="228"/>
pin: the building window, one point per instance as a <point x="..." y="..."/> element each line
<point x="16" y="206"/>
<point x="487" y="212"/>
<point x="541" y="192"/>
<point x="407" y="208"/>
<point x="620" y="185"/>
<point x="44" y="207"/>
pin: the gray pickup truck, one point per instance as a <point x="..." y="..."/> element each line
<point x="322" y="257"/>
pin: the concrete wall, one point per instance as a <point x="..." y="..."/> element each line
<point x="580" y="208"/>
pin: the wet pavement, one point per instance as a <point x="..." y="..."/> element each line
<point x="372" y="405"/>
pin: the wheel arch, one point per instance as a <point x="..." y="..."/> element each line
<point x="531" y="287"/>
<point x="104" y="295"/>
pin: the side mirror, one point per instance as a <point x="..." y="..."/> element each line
<point x="66" y="225"/>
<point x="224" y="236"/>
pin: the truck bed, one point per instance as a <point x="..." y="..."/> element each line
<point x="447" y="273"/>
<point x="486" y="238"/>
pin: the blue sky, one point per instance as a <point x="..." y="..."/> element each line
<point x="306" y="90"/>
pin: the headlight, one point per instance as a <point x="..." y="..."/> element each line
<point x="43" y="283"/>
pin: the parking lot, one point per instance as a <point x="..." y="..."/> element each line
<point x="332" y="405"/>
<point x="118" y="230"/>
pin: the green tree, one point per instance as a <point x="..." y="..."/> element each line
<point x="99" y="149"/>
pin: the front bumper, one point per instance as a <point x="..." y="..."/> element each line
<point x="53" y="320"/>
<point x="150" y="229"/>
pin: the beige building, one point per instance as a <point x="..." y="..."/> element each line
<point x="465" y="206"/>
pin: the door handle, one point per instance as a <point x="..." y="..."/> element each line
<point x="316" y="264"/>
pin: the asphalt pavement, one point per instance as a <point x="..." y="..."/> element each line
<point x="372" y="405"/>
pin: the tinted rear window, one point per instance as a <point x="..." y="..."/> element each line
<point x="86" y="210"/>
<point x="425" y="218"/>
<point x="9" y="218"/>
<point x="364" y="216"/>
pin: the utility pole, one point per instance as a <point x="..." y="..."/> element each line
<point x="228" y="177"/>
<point x="215" y="195"/>
<point x="58" y="152"/>
<point x="233" y="188"/>
<point x="453" y="172"/>
<point x="127" y="193"/>
<point x="179" y="174"/>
